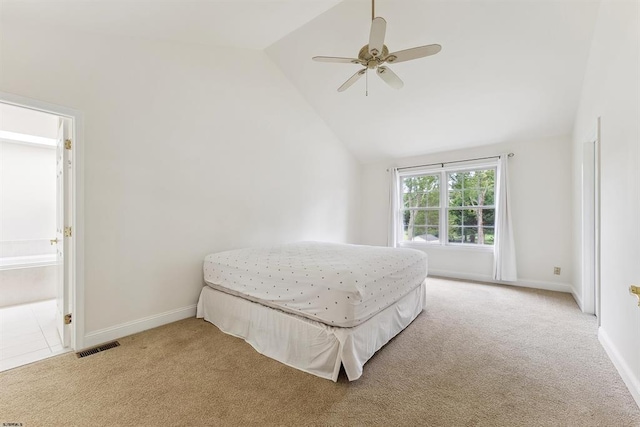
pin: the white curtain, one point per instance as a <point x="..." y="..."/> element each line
<point x="504" y="258"/>
<point x="392" y="239"/>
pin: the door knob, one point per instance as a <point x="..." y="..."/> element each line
<point x="54" y="241"/>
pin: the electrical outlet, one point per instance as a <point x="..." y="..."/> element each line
<point x="556" y="271"/>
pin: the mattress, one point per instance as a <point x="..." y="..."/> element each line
<point x="336" y="284"/>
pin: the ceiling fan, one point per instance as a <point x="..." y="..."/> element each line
<point x="374" y="55"/>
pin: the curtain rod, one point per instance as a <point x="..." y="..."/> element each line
<point x="455" y="161"/>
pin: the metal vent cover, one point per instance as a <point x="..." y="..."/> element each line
<point x="98" y="349"/>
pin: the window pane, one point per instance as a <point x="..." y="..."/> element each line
<point x="405" y="219"/>
<point x="455" y="198"/>
<point x="411" y="200"/>
<point x="454" y="180"/>
<point x="471" y="197"/>
<point x="467" y="179"/>
<point x="470" y="235"/>
<point x="416" y="199"/>
<point x="433" y="218"/>
<point x="408" y="220"/>
<point x="490" y="198"/>
<point x="455" y="234"/>
<point x="407" y="234"/>
<point x="455" y="217"/>
<point x="472" y="179"/>
<point x="410" y="216"/>
<point x="433" y="234"/>
<point x="490" y="175"/>
<point x="410" y="190"/>
<point x="488" y="217"/>
<point x="470" y="217"/>
<point x="421" y="200"/>
<point x="433" y="199"/>
<point x="489" y="235"/>
<point x="432" y="182"/>
<point x="413" y="224"/>
<point x="419" y="234"/>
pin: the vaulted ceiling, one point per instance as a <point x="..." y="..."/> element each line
<point x="253" y="24"/>
<point x="508" y="70"/>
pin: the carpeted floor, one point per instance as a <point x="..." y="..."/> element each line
<point x="479" y="355"/>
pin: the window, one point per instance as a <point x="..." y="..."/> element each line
<point x="450" y="206"/>
<point x="470" y="210"/>
<point x="421" y="208"/>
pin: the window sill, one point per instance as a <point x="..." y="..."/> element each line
<point x="449" y="247"/>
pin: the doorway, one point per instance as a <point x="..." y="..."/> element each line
<point x="591" y="226"/>
<point x="37" y="253"/>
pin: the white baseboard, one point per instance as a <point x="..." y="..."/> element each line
<point x="578" y="298"/>
<point x="632" y="382"/>
<point x="526" y="283"/>
<point x="100" y="336"/>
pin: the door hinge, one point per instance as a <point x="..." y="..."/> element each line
<point x="635" y="290"/>
<point x="67" y="232"/>
<point x="67" y="319"/>
<point x="67" y="144"/>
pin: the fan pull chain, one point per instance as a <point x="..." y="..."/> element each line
<point x="366" y="82"/>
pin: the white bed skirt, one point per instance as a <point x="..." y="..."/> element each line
<point x="305" y="344"/>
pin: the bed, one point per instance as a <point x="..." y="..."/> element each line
<point x="315" y="306"/>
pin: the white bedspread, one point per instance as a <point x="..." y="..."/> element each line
<point x="336" y="284"/>
<point x="305" y="344"/>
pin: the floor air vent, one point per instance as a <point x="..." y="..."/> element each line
<point x="98" y="349"/>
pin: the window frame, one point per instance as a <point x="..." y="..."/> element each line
<point x="442" y="171"/>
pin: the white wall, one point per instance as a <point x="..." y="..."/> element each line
<point x="189" y="150"/>
<point x="610" y="91"/>
<point x="27" y="192"/>
<point x="540" y="179"/>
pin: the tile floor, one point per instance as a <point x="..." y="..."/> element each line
<point x="28" y="333"/>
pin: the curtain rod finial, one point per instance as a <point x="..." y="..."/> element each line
<point x="511" y="154"/>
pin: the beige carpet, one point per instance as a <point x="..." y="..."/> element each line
<point x="480" y="355"/>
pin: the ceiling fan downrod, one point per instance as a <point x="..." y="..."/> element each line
<point x="373" y="9"/>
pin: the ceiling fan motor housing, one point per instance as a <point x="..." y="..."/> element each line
<point x="369" y="60"/>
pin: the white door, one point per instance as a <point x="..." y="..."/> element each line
<point x="63" y="230"/>
<point x="589" y="228"/>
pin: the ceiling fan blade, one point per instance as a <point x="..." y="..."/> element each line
<point x="352" y="80"/>
<point x="336" y="59"/>
<point x="390" y="77"/>
<point x="413" y="53"/>
<point x="376" y="37"/>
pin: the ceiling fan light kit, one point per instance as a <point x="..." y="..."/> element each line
<point x="374" y="55"/>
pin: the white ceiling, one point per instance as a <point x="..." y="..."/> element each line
<point x="253" y="24"/>
<point x="509" y="69"/>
